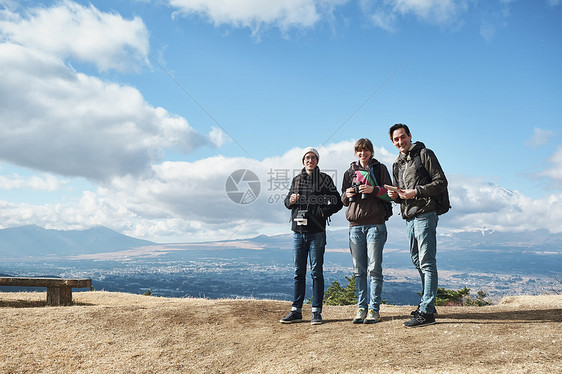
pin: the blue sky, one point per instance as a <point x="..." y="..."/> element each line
<point x="132" y="114"/>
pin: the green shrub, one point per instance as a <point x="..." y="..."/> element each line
<point x="338" y="295"/>
<point x="460" y="297"/>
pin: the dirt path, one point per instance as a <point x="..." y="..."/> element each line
<point x="124" y="333"/>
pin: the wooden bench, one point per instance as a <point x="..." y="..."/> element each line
<point x="59" y="290"/>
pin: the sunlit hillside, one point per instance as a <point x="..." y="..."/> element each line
<point x="126" y="333"/>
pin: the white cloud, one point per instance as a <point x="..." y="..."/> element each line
<point x="58" y="120"/>
<point x="494" y="17"/>
<point x="389" y="14"/>
<point x="45" y="182"/>
<point x="555" y="171"/>
<point x="255" y="14"/>
<point x="384" y="20"/>
<point x="438" y="11"/>
<point x="69" y="30"/>
<point x="484" y="205"/>
<point x="385" y="13"/>
<point x="218" y="137"/>
<point x="540" y="137"/>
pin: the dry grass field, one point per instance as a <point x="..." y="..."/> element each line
<point x="124" y="333"/>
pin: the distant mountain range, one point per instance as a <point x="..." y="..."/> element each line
<point x="35" y="241"/>
<point x="498" y="262"/>
<point x="476" y="251"/>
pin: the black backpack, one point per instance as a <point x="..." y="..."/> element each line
<point x="442" y="202"/>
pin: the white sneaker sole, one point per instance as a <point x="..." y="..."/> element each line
<point x="289" y="322"/>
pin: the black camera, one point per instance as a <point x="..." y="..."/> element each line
<point x="356" y="189"/>
<point x="301" y="219"/>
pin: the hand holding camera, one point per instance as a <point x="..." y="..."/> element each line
<point x="294" y="198"/>
<point x="359" y="189"/>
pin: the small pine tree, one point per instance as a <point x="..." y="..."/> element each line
<point x="451" y="297"/>
<point x="460" y="297"/>
<point x="338" y="295"/>
<point x="479" y="300"/>
<point x="148" y="293"/>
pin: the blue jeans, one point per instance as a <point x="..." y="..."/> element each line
<point x="366" y="244"/>
<point x="309" y="246"/>
<point x="422" y="237"/>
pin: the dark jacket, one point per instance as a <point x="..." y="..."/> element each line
<point x="318" y="195"/>
<point x="418" y="169"/>
<point x="371" y="211"/>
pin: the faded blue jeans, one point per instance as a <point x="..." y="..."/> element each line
<point x="422" y="237"/>
<point x="309" y="246"/>
<point x="366" y="243"/>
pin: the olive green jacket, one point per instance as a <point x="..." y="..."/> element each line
<point x="418" y="169"/>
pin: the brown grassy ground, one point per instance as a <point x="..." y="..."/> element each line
<point x="125" y="333"/>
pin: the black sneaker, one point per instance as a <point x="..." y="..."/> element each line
<point x="316" y="318"/>
<point x="420" y="319"/>
<point x="413" y="313"/>
<point x="292" y="317"/>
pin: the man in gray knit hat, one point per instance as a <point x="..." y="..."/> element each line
<point x="312" y="198"/>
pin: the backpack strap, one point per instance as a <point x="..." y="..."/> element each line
<point x="383" y="192"/>
<point x="442" y="201"/>
<point x="350" y="175"/>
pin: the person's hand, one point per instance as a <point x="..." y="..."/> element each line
<point x="392" y="194"/>
<point x="365" y="188"/>
<point x="294" y="198"/>
<point x="350" y="192"/>
<point x="408" y="194"/>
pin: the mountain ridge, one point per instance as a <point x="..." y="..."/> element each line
<point x="33" y="240"/>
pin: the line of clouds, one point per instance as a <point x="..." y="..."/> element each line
<point x="286" y="14"/>
<point x="187" y="201"/>
<point x="45" y="182"/>
<point x="385" y="14"/>
<point x="257" y="14"/>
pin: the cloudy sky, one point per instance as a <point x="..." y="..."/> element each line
<point x="133" y="114"/>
